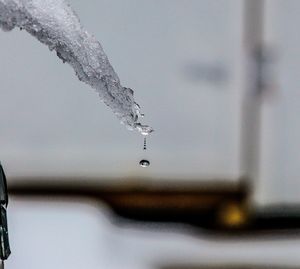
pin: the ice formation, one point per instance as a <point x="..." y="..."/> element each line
<point x="54" y="23"/>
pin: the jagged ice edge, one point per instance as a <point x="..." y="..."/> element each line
<point x="55" y="24"/>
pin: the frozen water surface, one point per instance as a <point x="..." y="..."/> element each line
<point x="54" y="23"/>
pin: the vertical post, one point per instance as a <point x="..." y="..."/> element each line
<point x="254" y="84"/>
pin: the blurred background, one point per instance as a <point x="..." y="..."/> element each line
<point x="218" y="81"/>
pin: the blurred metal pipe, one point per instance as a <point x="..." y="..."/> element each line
<point x="195" y="203"/>
<point x="217" y="207"/>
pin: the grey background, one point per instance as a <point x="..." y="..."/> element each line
<point x="52" y="124"/>
<point x="170" y="53"/>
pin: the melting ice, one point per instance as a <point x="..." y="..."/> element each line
<point x="55" y="24"/>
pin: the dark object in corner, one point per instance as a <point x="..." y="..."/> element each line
<point x="4" y="242"/>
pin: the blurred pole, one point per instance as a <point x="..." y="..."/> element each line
<point x="254" y="85"/>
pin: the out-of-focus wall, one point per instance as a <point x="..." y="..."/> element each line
<point x="185" y="62"/>
<point x="181" y="58"/>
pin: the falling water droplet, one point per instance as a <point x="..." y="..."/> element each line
<point x="144" y="163"/>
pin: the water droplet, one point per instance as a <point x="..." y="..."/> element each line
<point x="144" y="163"/>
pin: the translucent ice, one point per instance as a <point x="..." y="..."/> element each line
<point x="54" y="23"/>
